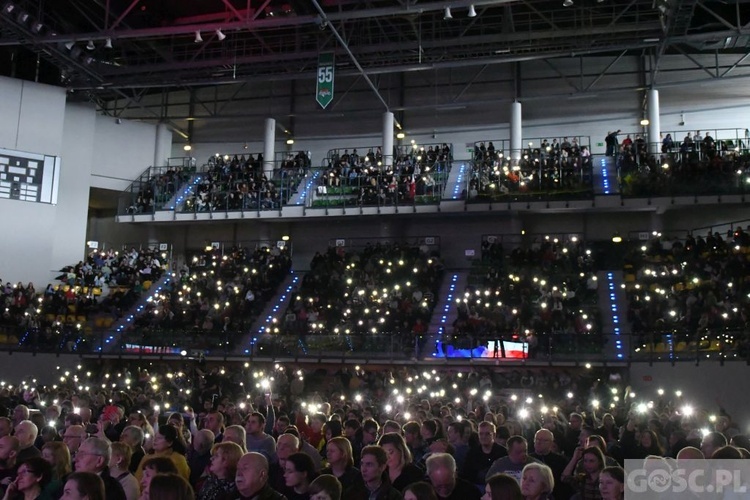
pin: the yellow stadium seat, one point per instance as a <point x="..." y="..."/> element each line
<point x="146" y="285"/>
<point x="71" y="318"/>
<point x="81" y="318"/>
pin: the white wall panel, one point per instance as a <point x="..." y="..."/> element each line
<point x="122" y="151"/>
<point x="40" y="128"/>
<point x="10" y="109"/>
<point x="69" y="231"/>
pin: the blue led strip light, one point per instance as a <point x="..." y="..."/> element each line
<point x="186" y="192"/>
<point x="605" y="177"/>
<point x="459" y="182"/>
<point x="266" y="326"/>
<point x="615" y="315"/>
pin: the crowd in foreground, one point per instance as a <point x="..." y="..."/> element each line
<point x="266" y="432"/>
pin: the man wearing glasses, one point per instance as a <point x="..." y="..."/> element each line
<point x="93" y="456"/>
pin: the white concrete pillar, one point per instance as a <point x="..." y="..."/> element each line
<point x="654" y="123"/>
<point x="388" y="139"/>
<point x="163" y="145"/>
<point x="516" y="132"/>
<point x="269" y="147"/>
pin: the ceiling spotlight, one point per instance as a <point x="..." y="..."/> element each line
<point x="290" y="141"/>
<point x="221" y="36"/>
<point x="90" y="45"/>
<point x="567" y="3"/>
<point x="108" y="43"/>
<point x="9" y="7"/>
<point x="23" y="17"/>
<point x="198" y="38"/>
<point x="448" y="14"/>
<point x="37" y="27"/>
<point x="472" y="11"/>
<point x="69" y="45"/>
<point x="187" y="147"/>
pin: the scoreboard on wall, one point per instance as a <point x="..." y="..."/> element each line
<point x="29" y="176"/>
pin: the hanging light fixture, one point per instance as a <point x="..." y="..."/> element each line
<point x="567" y="3"/>
<point x="198" y="38"/>
<point x="90" y="45"/>
<point x="448" y="14"/>
<point x="69" y="45"/>
<point x="472" y="11"/>
<point x="221" y="36"/>
<point x="108" y="43"/>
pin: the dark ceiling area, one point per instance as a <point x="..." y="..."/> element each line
<point x="104" y="49"/>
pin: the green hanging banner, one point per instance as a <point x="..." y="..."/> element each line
<point x="324" y="92"/>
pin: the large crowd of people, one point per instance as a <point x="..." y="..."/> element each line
<point x="153" y="190"/>
<point x="562" y="166"/>
<point x="416" y="173"/>
<point x="699" y="164"/>
<point x="544" y="294"/>
<point x="272" y="431"/>
<point x="383" y="289"/>
<point x="95" y="291"/>
<point x="211" y="301"/>
<point x="240" y="183"/>
<point x="690" y="292"/>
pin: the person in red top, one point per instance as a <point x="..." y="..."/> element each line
<point x="314" y="431"/>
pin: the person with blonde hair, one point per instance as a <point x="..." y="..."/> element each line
<point x="58" y="456"/>
<point x="119" y="464"/>
<point x="341" y="462"/>
<point x="401" y="471"/>
<point x="537" y="481"/>
<point x="220" y="483"/>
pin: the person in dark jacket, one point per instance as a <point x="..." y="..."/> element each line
<point x="375" y="484"/>
<point x="252" y="478"/>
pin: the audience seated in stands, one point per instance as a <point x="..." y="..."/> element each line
<point x="544" y="294"/>
<point x="216" y="294"/>
<point x="690" y="291"/>
<point x="552" y="167"/>
<point x="383" y="289"/>
<point x="415" y="173"/>
<point x="560" y="405"/>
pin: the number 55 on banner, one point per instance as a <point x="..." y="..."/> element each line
<point x="324" y="90"/>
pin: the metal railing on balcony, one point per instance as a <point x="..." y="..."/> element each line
<point x="687" y="171"/>
<point x="156" y="188"/>
<point x="545" y="171"/>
